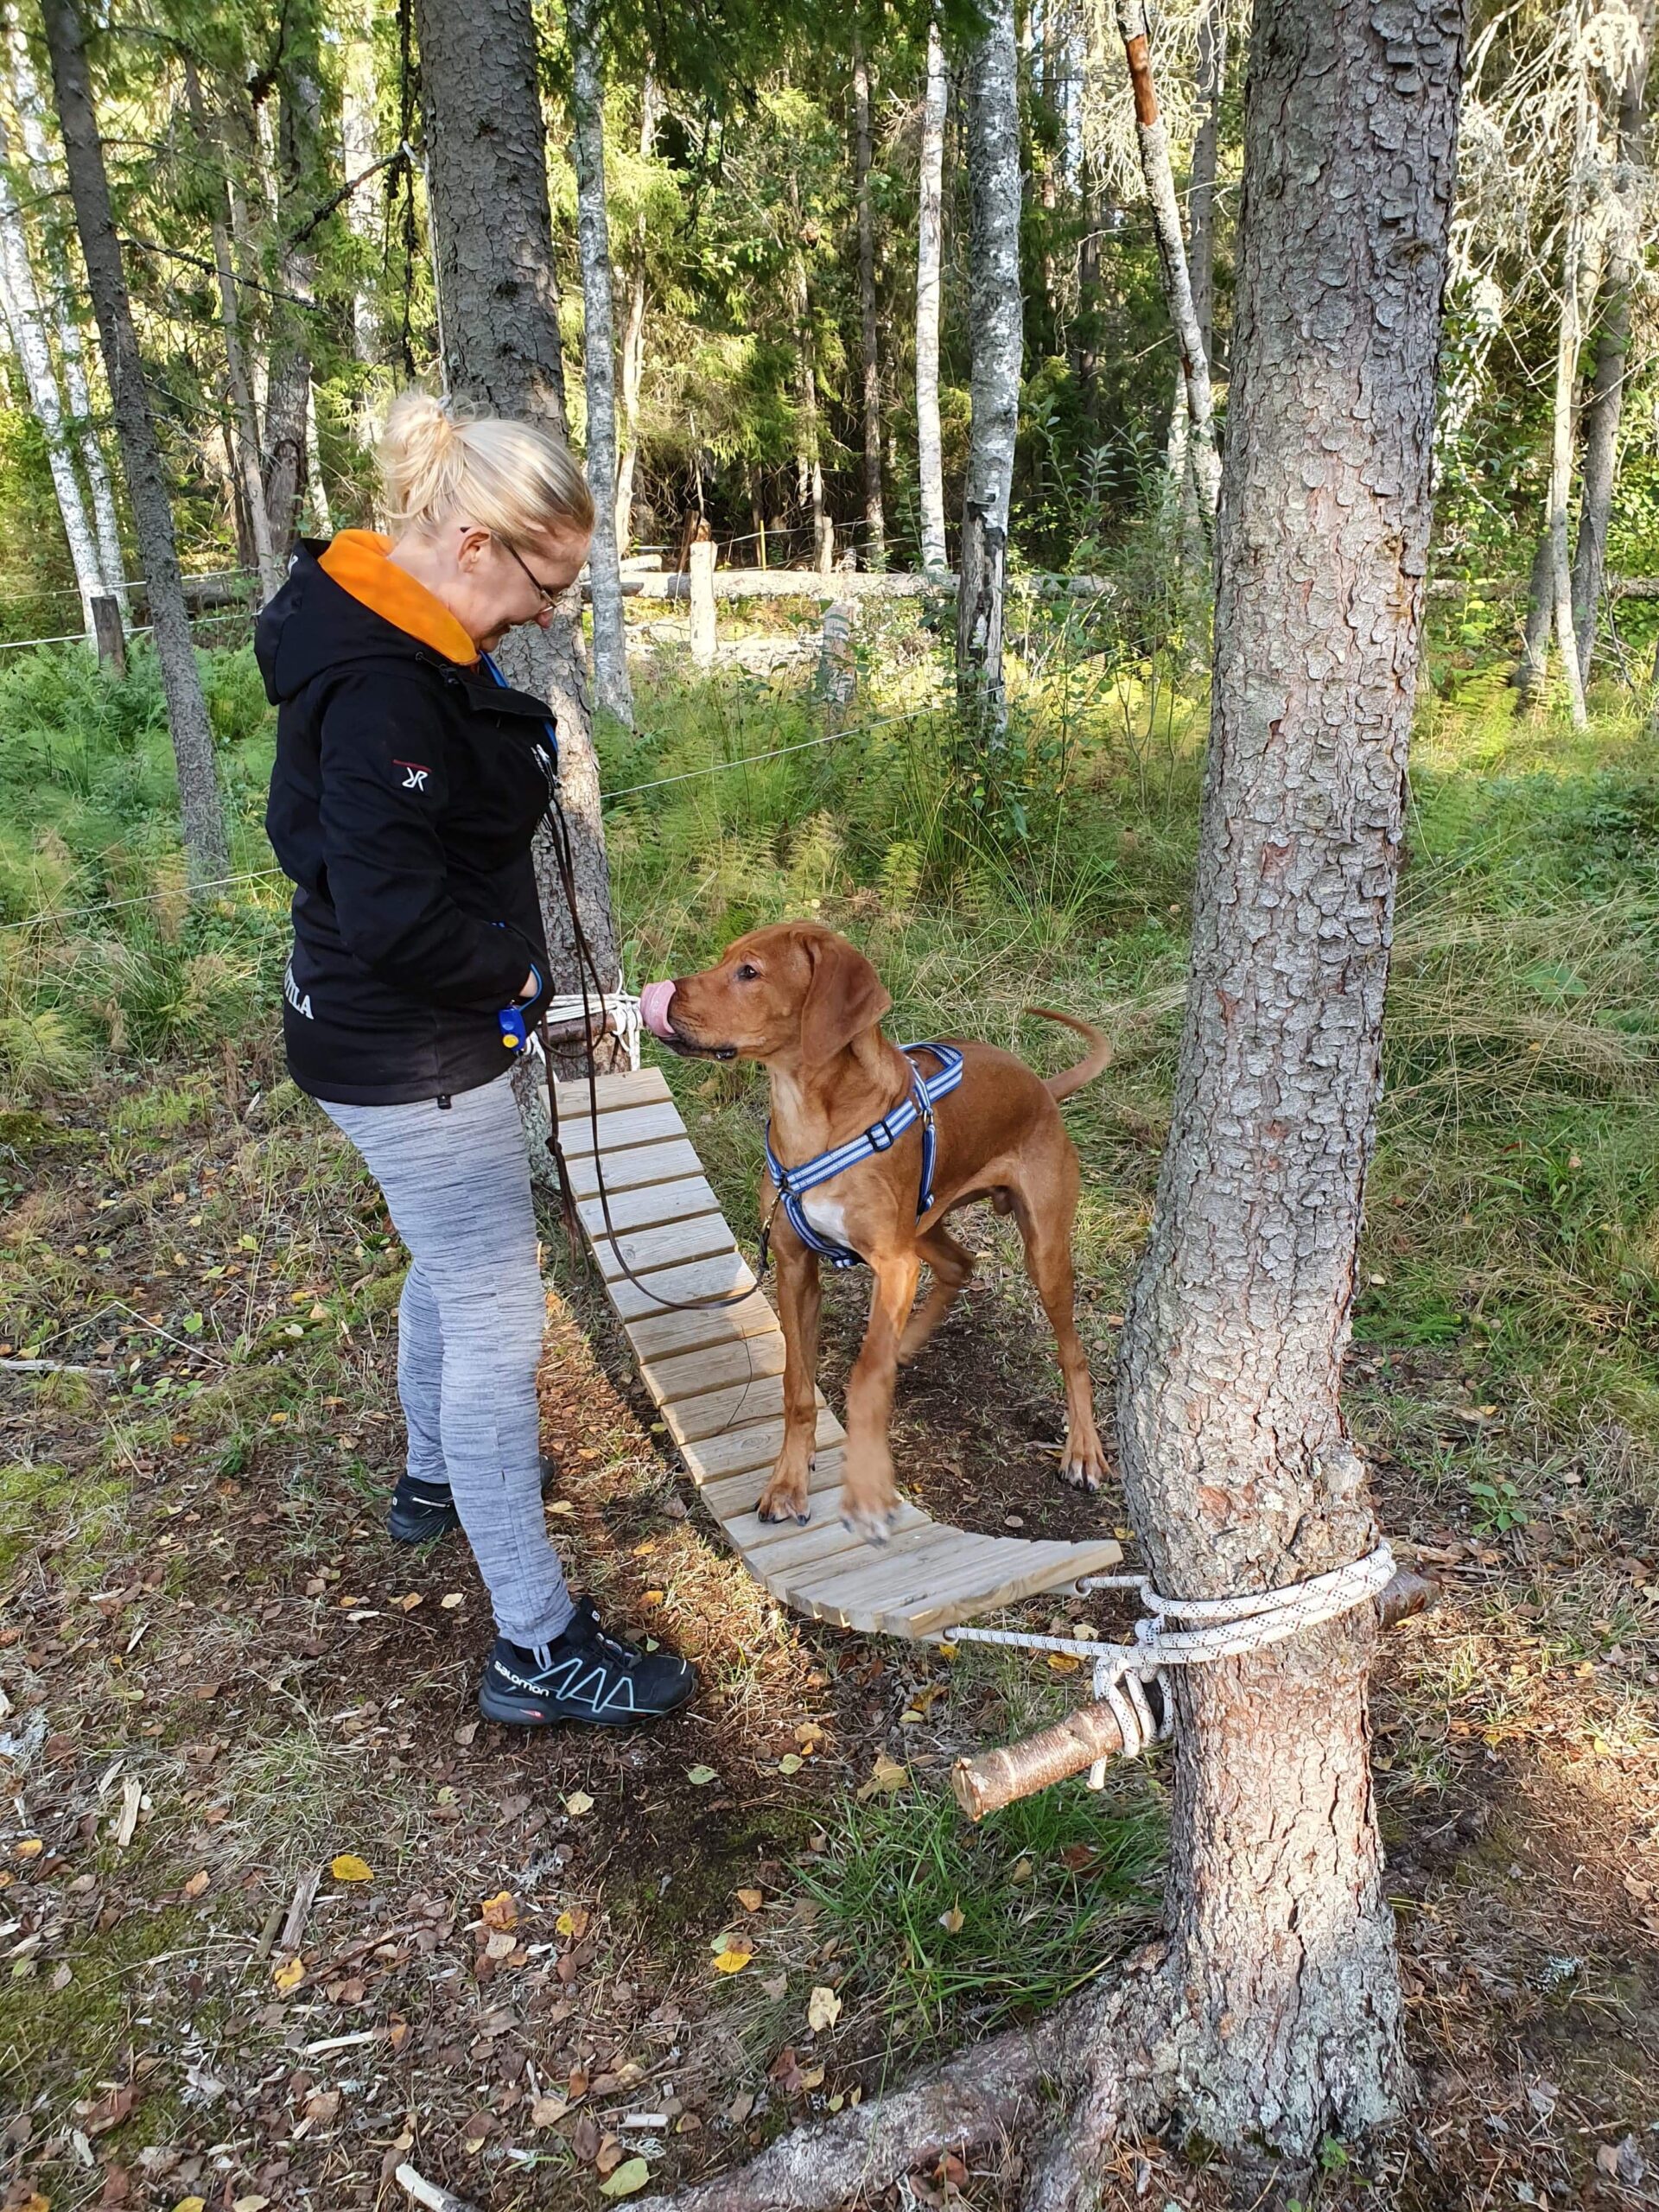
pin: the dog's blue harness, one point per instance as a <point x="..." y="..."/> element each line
<point x="794" y="1183"/>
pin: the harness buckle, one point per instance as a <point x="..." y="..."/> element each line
<point x="881" y="1138"/>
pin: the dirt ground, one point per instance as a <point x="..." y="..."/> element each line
<point x="225" y="1689"/>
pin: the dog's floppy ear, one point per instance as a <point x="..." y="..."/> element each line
<point x="844" y="998"/>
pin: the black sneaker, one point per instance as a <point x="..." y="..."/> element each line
<point x="422" y="1511"/>
<point x="586" y="1675"/>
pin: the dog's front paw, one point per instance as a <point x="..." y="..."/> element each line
<point x="785" y="1497"/>
<point x="870" y="1516"/>
<point x="1082" y="1462"/>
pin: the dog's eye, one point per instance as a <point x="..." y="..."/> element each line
<point x="745" y="974"/>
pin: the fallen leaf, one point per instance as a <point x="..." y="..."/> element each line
<point x="741" y="2107"/>
<point x="547" y="2112"/>
<point x="451" y="1599"/>
<point x="951" y="1921"/>
<point x="31" y="1847"/>
<point x="790" y="1762"/>
<point x="701" y="1775"/>
<point x="633" y="2174"/>
<point x="732" y="1960"/>
<point x="197" y="1882"/>
<point x="585" y="2139"/>
<point x="348" y="1867"/>
<point x="885" y="1775"/>
<point x="408" y="1604"/>
<point x="1020" y="1871"/>
<point x="287" y="1974"/>
<point x="184" y="2204"/>
<point x="751" y="1900"/>
<point x="573" y="1921"/>
<point x="249" y="2203"/>
<point x="823" y="2009"/>
<point x="577" y="1803"/>
<point x="1062" y="1662"/>
<point x="776" y="1986"/>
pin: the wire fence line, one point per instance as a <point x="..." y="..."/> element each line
<point x="138" y="630"/>
<point x="627" y="791"/>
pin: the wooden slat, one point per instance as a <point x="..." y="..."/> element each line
<point x="669" y="1161"/>
<point x="613" y="1092"/>
<point x="716" y="1372"/>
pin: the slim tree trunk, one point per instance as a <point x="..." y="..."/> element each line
<point x="302" y="180"/>
<point x="1607" y="401"/>
<point x="59" y="304"/>
<point x="245" y="422"/>
<point x="611" y="687"/>
<point x="316" y="491"/>
<point x="633" y="336"/>
<point x="993" y="154"/>
<point x="928" y="263"/>
<point x="1166" y="212"/>
<point x="493" y="252"/>
<point x="1568" y="338"/>
<point x="27" y="320"/>
<point x="1540" y="614"/>
<point x="207" y="847"/>
<point x="1209" y="82"/>
<point x="809" y="464"/>
<point x="359" y="147"/>
<point x="876" y="529"/>
<point x="1238" y="1467"/>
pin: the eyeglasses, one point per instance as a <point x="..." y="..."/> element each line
<point x="550" y="597"/>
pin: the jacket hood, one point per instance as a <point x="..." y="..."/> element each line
<point x="341" y="603"/>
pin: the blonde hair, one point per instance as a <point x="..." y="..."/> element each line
<point x="437" y="459"/>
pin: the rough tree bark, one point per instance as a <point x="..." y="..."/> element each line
<point x="245" y="421"/>
<point x="876" y="547"/>
<point x="1237" y="1462"/>
<point x="1540" y="612"/>
<point x="634" y="334"/>
<point x="63" y="291"/>
<point x="207" y="850"/>
<point x="1153" y="141"/>
<point x="1605" y="403"/>
<point x="1568" y="338"/>
<point x="1272" y="2018"/>
<point x="929" y="264"/>
<point x="611" y="687"/>
<point x="303" y="181"/>
<point x="993" y="154"/>
<point x="492" y="248"/>
<point x="27" y="320"/>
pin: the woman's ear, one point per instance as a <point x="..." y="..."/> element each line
<point x="845" y="997"/>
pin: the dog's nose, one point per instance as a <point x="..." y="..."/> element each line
<point x="653" y="1008"/>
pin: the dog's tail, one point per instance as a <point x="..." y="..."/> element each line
<point x="1098" y="1059"/>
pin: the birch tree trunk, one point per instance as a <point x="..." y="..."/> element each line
<point x="301" y="173"/>
<point x="1237" y="1463"/>
<point x="993" y="155"/>
<point x="875" y="549"/>
<point x="492" y="252"/>
<point x="1540" y="614"/>
<point x="206" y="848"/>
<point x="929" y="267"/>
<point x="316" y="491"/>
<point x="809" y="464"/>
<point x="27" y="321"/>
<point x="1209" y="83"/>
<point x="1568" y="338"/>
<point x="1153" y="141"/>
<point x="245" y="421"/>
<point x="633" y="336"/>
<point x="611" y="687"/>
<point x="1605" y="405"/>
<point x="59" y="308"/>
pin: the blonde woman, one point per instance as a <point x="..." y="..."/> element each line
<point x="410" y="781"/>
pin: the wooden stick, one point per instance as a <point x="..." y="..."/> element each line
<point x="56" y="1367"/>
<point x="990" y="1780"/>
<point x="432" y="2194"/>
<point x="299" y="1911"/>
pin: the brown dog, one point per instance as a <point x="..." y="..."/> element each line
<point x="808" y="1006"/>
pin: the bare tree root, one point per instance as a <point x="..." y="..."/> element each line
<point x="996" y="2088"/>
<point x="1094" y="2058"/>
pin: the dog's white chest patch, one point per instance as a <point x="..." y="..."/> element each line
<point x="826" y="1216"/>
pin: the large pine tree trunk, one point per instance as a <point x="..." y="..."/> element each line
<point x="611" y="687"/>
<point x="493" y="245"/>
<point x="60" y="303"/>
<point x="23" y="312"/>
<point x="992" y="102"/>
<point x="1607" y="401"/>
<point x="1238" y="1467"/>
<point x="303" y="181"/>
<point x="875" y="548"/>
<point x="633" y="337"/>
<point x="929" y="266"/>
<point x="245" y="421"/>
<point x="1153" y="141"/>
<point x="206" y="849"/>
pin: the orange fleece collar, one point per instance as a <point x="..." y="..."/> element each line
<point x="357" y="562"/>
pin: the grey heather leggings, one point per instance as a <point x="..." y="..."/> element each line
<point x="456" y="1179"/>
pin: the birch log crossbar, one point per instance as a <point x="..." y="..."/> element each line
<point x="717" y="1376"/>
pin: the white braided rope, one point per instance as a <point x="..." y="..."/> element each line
<point x="1223" y="1628"/>
<point x="622" y="1006"/>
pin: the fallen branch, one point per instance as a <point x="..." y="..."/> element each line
<point x="299" y="1909"/>
<point x="56" y="1367"/>
<point x="432" y="2194"/>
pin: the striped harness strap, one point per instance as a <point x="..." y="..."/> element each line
<point x="793" y="1183"/>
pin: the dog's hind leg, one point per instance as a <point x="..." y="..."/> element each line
<point x="1046" y="1232"/>
<point x="952" y="1264"/>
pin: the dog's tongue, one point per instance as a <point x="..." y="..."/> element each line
<point x="653" y="1008"/>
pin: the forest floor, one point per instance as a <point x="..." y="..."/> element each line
<point x="530" y="1962"/>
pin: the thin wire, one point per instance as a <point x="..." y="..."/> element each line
<point x="140" y="630"/>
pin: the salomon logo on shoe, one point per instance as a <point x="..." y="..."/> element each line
<point x="586" y="1675"/>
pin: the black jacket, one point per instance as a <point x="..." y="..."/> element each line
<point x="405" y="795"/>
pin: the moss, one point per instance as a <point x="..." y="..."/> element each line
<point x="64" y="2042"/>
<point x="43" y="1503"/>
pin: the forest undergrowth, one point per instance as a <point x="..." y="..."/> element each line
<point x="528" y="1966"/>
